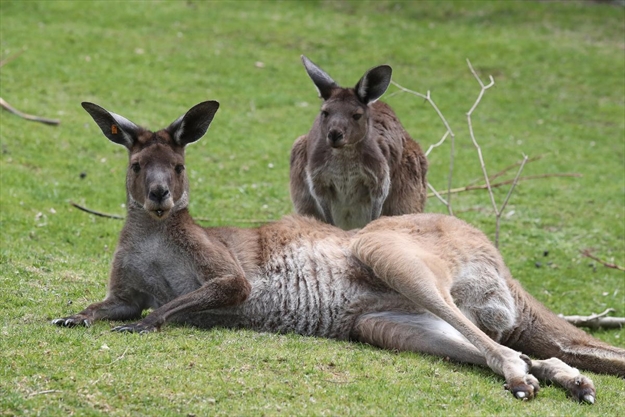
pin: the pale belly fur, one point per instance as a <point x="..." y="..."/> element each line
<point x="311" y="290"/>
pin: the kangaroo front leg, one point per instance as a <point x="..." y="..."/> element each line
<point x="423" y="278"/>
<point x="220" y="292"/>
<point x="112" y="308"/>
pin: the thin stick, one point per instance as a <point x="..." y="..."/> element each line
<point x="505" y="202"/>
<point x="435" y="193"/>
<point x="586" y="253"/>
<point x="449" y="132"/>
<point x="472" y="134"/>
<point x="451" y="170"/>
<point x="96" y="213"/>
<point x="26" y="116"/>
<point x="516" y="164"/>
<point x="119" y="357"/>
<point x="48" y="391"/>
<point x="499" y="184"/>
<point x="595" y="321"/>
<point x="11" y="58"/>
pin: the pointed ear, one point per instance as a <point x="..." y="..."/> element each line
<point x="324" y="83"/>
<point x="194" y="124"/>
<point x="373" y="84"/>
<point x="116" y="128"/>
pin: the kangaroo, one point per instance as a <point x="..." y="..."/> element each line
<point x="357" y="162"/>
<point x="421" y="282"/>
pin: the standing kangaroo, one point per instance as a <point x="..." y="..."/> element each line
<point x="422" y="282"/>
<point x="357" y="162"/>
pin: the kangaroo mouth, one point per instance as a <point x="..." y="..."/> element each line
<point x="158" y="211"/>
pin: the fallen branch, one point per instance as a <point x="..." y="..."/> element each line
<point x="596" y="321"/>
<point x="516" y="164"/>
<point x="200" y="219"/>
<point x="499" y="184"/>
<point x="11" y="58"/>
<point x="13" y="110"/>
<point x="586" y="253"/>
<point x="48" y="391"/>
<point x="96" y="213"/>
<point x="26" y="116"/>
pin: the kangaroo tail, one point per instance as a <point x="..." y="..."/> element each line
<point x="541" y="333"/>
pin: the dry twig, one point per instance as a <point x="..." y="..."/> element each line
<point x="11" y="58"/>
<point x="96" y="213"/>
<point x="586" y="253"/>
<point x="448" y="132"/>
<point x="506" y="182"/>
<point x="48" y="391"/>
<point x="498" y="211"/>
<point x="13" y="110"/>
<point x="27" y="116"/>
<point x="595" y="321"/>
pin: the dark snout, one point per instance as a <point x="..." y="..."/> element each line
<point x="335" y="138"/>
<point x="158" y="194"/>
<point x="159" y="201"/>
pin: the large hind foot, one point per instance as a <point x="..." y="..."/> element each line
<point x="524" y="388"/>
<point x="519" y="381"/>
<point x="576" y="385"/>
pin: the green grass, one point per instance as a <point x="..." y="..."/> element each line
<point x="559" y="73"/>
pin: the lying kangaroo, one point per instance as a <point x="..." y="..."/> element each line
<point x="357" y="162"/>
<point x="423" y="282"/>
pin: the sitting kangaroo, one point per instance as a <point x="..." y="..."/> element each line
<point x="357" y="162"/>
<point x="421" y="282"/>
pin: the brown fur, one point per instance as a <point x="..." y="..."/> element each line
<point x="347" y="172"/>
<point x="422" y="282"/>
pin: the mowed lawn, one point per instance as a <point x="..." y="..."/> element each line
<point x="559" y="71"/>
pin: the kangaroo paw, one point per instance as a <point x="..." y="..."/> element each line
<point x="138" y="327"/>
<point x="72" y="321"/>
<point x="524" y="388"/>
<point x="582" y="389"/>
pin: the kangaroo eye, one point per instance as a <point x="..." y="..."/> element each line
<point x="357" y="116"/>
<point x="324" y="113"/>
<point x="179" y="168"/>
<point x="136" y="167"/>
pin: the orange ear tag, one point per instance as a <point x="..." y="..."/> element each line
<point x="114" y="129"/>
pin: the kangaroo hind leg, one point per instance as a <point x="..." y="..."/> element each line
<point x="424" y="333"/>
<point x="424" y="278"/>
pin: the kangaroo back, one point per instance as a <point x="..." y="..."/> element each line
<point x="357" y="162"/>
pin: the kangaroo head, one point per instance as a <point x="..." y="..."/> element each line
<point x="344" y="116"/>
<point x="156" y="180"/>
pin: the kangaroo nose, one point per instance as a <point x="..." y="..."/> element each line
<point x="334" y="136"/>
<point x="158" y="194"/>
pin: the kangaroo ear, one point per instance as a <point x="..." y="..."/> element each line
<point x="194" y="124"/>
<point x="324" y="83"/>
<point x="116" y="128"/>
<point x="373" y="84"/>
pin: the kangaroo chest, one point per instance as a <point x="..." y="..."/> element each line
<point x="350" y="187"/>
<point x="155" y="266"/>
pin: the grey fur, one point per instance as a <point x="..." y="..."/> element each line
<point x="427" y="283"/>
<point x="357" y="163"/>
